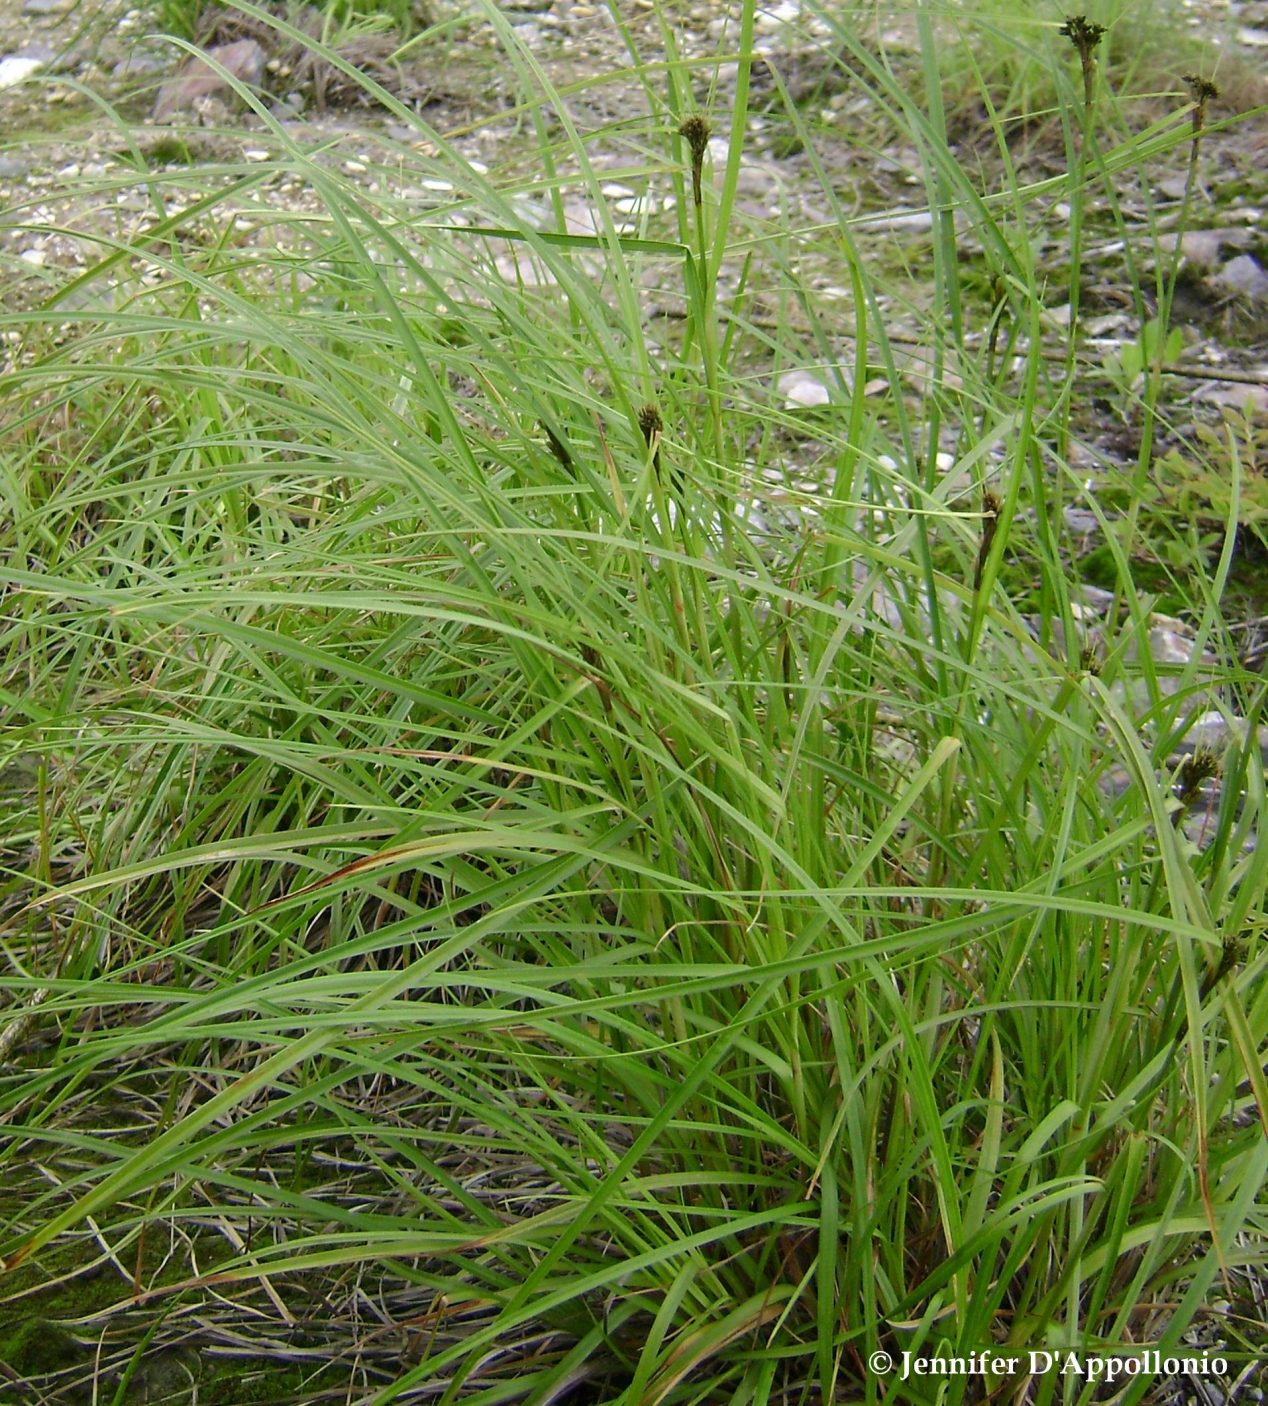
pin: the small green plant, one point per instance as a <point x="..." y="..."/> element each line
<point x="406" y="17"/>
<point x="1218" y="478"/>
<point x="1126" y="367"/>
<point x="182" y="18"/>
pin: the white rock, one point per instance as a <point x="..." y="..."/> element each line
<point x="773" y="17"/>
<point x="801" y="391"/>
<point x="14" y="70"/>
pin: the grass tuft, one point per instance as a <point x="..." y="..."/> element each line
<point x="507" y="932"/>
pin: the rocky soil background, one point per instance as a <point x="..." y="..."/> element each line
<point x="74" y="74"/>
<point x="88" y="87"/>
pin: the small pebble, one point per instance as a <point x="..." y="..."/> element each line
<point x="802" y="391"/>
<point x="15" y="70"/>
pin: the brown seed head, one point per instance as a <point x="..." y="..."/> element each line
<point x="1204" y="765"/>
<point x="1083" y="33"/>
<point x="1203" y="90"/>
<point x="990" y="520"/>
<point x="697" y="131"/>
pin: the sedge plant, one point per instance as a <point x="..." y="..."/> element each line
<point x="530" y="852"/>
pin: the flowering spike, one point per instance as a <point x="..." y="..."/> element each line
<point x="696" y="131"/>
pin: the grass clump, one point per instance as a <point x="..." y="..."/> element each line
<point x="569" y="878"/>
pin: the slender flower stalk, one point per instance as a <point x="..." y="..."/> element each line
<point x="1086" y="37"/>
<point x="696" y="131"/>
<point x="1203" y="91"/>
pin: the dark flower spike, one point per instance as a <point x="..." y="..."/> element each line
<point x="557" y="447"/>
<point x="1202" y="91"/>
<point x="1085" y="35"/>
<point x="650" y="423"/>
<point x="696" y="130"/>
<point x="990" y="520"/>
<point x="1232" y="952"/>
<point x="1203" y="765"/>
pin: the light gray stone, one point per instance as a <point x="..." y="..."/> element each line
<point x="801" y="391"/>
<point x="138" y="65"/>
<point x="1244" y="276"/>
